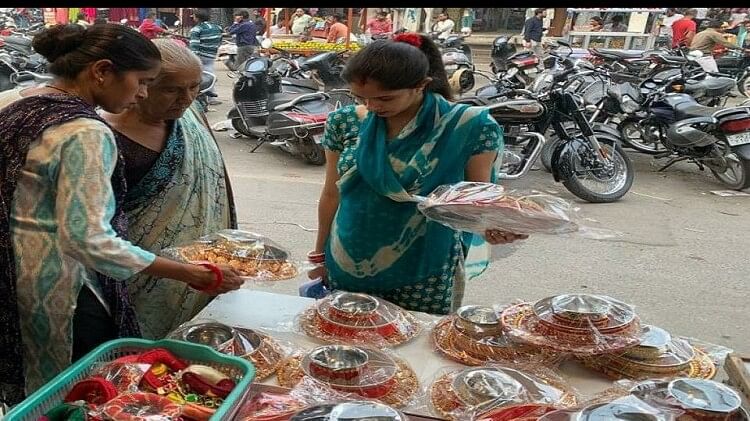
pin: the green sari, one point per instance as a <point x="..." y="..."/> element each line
<point x="379" y="242"/>
<point x="184" y="196"/>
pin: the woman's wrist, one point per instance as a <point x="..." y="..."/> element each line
<point x="199" y="276"/>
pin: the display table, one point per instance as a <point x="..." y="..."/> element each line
<point x="276" y="314"/>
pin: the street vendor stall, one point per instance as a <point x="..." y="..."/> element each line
<point x="642" y="26"/>
<point x="314" y="44"/>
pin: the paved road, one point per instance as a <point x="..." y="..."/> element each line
<point x="682" y="259"/>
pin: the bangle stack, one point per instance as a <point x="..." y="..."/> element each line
<point x="316" y="258"/>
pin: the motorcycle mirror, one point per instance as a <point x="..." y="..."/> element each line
<point x="266" y="43"/>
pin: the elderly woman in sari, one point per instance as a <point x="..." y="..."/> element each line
<point x="178" y="189"/>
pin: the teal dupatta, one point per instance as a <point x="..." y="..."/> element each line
<point x="379" y="241"/>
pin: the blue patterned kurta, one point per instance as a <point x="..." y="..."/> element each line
<point x="61" y="233"/>
<point x="430" y="294"/>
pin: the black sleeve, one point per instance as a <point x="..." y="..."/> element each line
<point x="527" y="29"/>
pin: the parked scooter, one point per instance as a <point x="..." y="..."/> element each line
<point x="458" y="60"/>
<point x="292" y="121"/>
<point x="521" y="67"/>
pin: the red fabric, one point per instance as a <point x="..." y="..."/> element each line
<point x="159" y="355"/>
<point x="409" y="38"/>
<point x="150" y="29"/>
<point x="94" y="391"/>
<point x="378" y="27"/>
<point x="90" y="13"/>
<point x="680" y="30"/>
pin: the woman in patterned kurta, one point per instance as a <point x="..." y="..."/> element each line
<point x="59" y="219"/>
<point x="406" y="140"/>
<point x="177" y="185"/>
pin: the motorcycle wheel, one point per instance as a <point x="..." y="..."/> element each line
<point x="315" y="155"/>
<point x="548" y="149"/>
<point x="230" y="64"/>
<point x="744" y="85"/>
<point x="737" y="173"/>
<point x="239" y="125"/>
<point x="593" y="185"/>
<point x="633" y="136"/>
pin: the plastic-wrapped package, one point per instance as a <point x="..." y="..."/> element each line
<point x="695" y="399"/>
<point x="124" y="376"/>
<point x="359" y="318"/>
<point x="474" y="336"/>
<point x="625" y="408"/>
<point x="262" y="350"/>
<point x="471" y="392"/>
<point x="254" y="256"/>
<point x="659" y="354"/>
<point x="140" y="406"/>
<point x="477" y="207"/>
<point x="579" y="324"/>
<point x="350" y="411"/>
<point x="360" y="370"/>
<point x="270" y="406"/>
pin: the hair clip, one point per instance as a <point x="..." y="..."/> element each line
<point x="409" y="38"/>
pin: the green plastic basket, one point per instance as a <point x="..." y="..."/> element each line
<point x="52" y="394"/>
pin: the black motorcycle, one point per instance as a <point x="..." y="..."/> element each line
<point x="736" y="64"/>
<point x="588" y="160"/>
<point x="292" y="121"/>
<point x="519" y="66"/>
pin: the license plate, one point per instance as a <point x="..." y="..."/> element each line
<point x="738" y="139"/>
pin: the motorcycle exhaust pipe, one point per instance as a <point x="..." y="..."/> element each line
<point x="532" y="158"/>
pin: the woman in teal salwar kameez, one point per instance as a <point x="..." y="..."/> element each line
<point x="405" y="141"/>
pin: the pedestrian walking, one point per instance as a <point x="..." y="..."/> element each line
<point x="205" y="39"/>
<point x="533" y="30"/>
<point x="149" y="28"/>
<point x="683" y="30"/>
<point x="245" y="32"/>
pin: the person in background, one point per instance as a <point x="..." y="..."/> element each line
<point x="205" y="39"/>
<point x="245" y="32"/>
<point x="406" y="139"/>
<point x="706" y="41"/>
<point x="616" y="25"/>
<point x="279" y="28"/>
<point x="81" y="20"/>
<point x="665" y="29"/>
<point x="596" y="24"/>
<point x="683" y="30"/>
<point x="533" y="30"/>
<point x="149" y="27"/>
<point x="178" y="189"/>
<point x="701" y="13"/>
<point x="260" y="22"/>
<point x="444" y="26"/>
<point x="337" y="31"/>
<point x="65" y="260"/>
<point x="300" y="22"/>
<point x="380" y="25"/>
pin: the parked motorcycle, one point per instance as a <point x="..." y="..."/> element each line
<point x="458" y="60"/>
<point x="736" y="64"/>
<point x="292" y="121"/>
<point x="521" y="67"/>
<point x="589" y="159"/>
<point x="227" y="54"/>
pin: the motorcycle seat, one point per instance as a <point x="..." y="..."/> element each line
<point x="616" y="53"/>
<point x="303" y="83"/>
<point x="281" y="98"/>
<point x="691" y="109"/>
<point x="714" y="86"/>
<point x="668" y="59"/>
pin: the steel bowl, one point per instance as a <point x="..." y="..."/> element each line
<point x="478" y="321"/>
<point x="581" y="307"/>
<point x="479" y="386"/>
<point x="351" y="306"/>
<point x="338" y="363"/>
<point x="616" y="411"/>
<point x="215" y="335"/>
<point x="704" y="397"/>
<point x="349" y="411"/>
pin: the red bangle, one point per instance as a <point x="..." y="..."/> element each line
<point x="219" y="276"/>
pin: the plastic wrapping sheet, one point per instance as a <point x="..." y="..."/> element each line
<point x="578" y="324"/>
<point x="474" y="336"/>
<point x="140" y="406"/>
<point x="624" y="408"/>
<point x="471" y="392"/>
<point x="659" y="354"/>
<point x="124" y="376"/>
<point x="359" y="319"/>
<point x="265" y="352"/>
<point x="254" y="256"/>
<point x="696" y="398"/>
<point x="478" y="207"/>
<point x="367" y="372"/>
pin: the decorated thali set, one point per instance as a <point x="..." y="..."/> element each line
<point x="252" y="255"/>
<point x="474" y="335"/>
<point x="364" y="371"/>
<point x="579" y="324"/>
<point x="359" y="318"/>
<point x="262" y="350"/>
<point x="475" y="391"/>
<point x="658" y="354"/>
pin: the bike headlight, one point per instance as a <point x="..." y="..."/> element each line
<point x="629" y="105"/>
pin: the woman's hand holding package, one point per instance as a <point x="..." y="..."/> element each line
<point x="204" y="278"/>
<point x="496" y="237"/>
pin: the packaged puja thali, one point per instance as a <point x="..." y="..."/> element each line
<point x="479" y="390"/>
<point x="262" y="350"/>
<point x="252" y="255"/>
<point x="694" y="399"/>
<point x="581" y="324"/>
<point x="364" y="371"/>
<point x="658" y="355"/>
<point x="477" y="207"/>
<point x="474" y="336"/>
<point x="359" y="318"/>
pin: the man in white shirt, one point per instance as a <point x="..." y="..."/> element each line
<point x="665" y="30"/>
<point x="443" y="26"/>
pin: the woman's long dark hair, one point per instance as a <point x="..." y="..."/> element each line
<point x="400" y="64"/>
